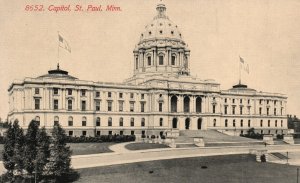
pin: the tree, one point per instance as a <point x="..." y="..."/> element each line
<point x="18" y="149"/>
<point x="60" y="155"/>
<point x="43" y="152"/>
<point x="8" y="152"/>
<point x="30" y="149"/>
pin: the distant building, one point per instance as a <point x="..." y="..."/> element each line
<point x="161" y="95"/>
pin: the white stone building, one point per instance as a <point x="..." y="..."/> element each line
<point x="161" y="95"/>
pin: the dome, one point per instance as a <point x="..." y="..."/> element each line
<point x="58" y="73"/>
<point x="161" y="28"/>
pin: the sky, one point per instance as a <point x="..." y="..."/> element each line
<point x="265" y="33"/>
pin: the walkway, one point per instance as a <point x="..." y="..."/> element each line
<point x="120" y="148"/>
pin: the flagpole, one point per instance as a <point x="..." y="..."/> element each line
<point x="239" y="71"/>
<point x="58" y="51"/>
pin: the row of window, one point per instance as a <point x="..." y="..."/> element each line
<point x="248" y="101"/>
<point x="249" y="123"/>
<point x="98" y="133"/>
<point x="260" y="110"/>
<point x="160" y="61"/>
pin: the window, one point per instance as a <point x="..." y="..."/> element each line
<point x="226" y="123"/>
<point x="241" y="110"/>
<point x="275" y="123"/>
<point x="121" y="106"/>
<point x="281" y="111"/>
<point x="233" y="100"/>
<point x="149" y="60"/>
<point x="97" y="105"/>
<point x="131" y="106"/>
<point x="131" y="95"/>
<point x="215" y="122"/>
<point x="97" y="94"/>
<point x="233" y="123"/>
<point x="261" y="131"/>
<point x="109" y="94"/>
<point x="120" y="95"/>
<point x="161" y="121"/>
<point x="98" y="133"/>
<point x="36" y="91"/>
<point x="83" y="133"/>
<point x="267" y="101"/>
<point x="70" y="105"/>
<point x="69" y="91"/>
<point x="83" y="92"/>
<point x="121" y="122"/>
<point x="260" y="101"/>
<point x="214" y="108"/>
<point x="70" y="121"/>
<point x="83" y="105"/>
<point x="70" y="133"/>
<point x="55" y="104"/>
<point x="142" y="106"/>
<point x="281" y="123"/>
<point x="233" y="109"/>
<point x="173" y="60"/>
<point x="161" y="60"/>
<point x="249" y="123"/>
<point x="98" y="121"/>
<point x="225" y="110"/>
<point x="241" y="101"/>
<point x="142" y="96"/>
<point x="36" y="103"/>
<point x="109" y="121"/>
<point x="136" y="63"/>
<point x="261" y="123"/>
<point x="121" y="132"/>
<point x="109" y="106"/>
<point x="56" y="120"/>
<point x="242" y="123"/>
<point x="275" y="111"/>
<point x="132" y="132"/>
<point x="268" y="109"/>
<point x="55" y="91"/>
<point x="225" y="100"/>
<point x="143" y="122"/>
<point x="269" y="123"/>
<point x="160" y="106"/>
<point x="83" y="122"/>
<point x="109" y="132"/>
<point x="248" y="101"/>
<point x="260" y="111"/>
<point x="131" y="121"/>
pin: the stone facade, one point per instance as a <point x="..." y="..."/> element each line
<point x="161" y="95"/>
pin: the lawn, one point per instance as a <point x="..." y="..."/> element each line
<point x="82" y="148"/>
<point x="142" y="146"/>
<point x="215" y="169"/>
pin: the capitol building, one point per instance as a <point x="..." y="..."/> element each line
<point x="161" y="95"/>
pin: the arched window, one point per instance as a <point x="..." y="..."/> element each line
<point x="121" y="121"/>
<point x="56" y="120"/>
<point x="109" y="121"/>
<point x="143" y="122"/>
<point x="242" y="123"/>
<point x="233" y="123"/>
<point x="261" y="123"/>
<point x="198" y="104"/>
<point x="226" y="123"/>
<point x="149" y="60"/>
<point x="132" y="122"/>
<point x="186" y="104"/>
<point x="98" y="121"/>
<point x="215" y="122"/>
<point x="249" y="123"/>
<point x="173" y="60"/>
<point x="199" y="125"/>
<point x="174" y="104"/>
<point x="269" y="123"/>
<point x="161" y="60"/>
<point x="83" y="122"/>
<point x="70" y="121"/>
<point x="37" y="119"/>
<point x="275" y="123"/>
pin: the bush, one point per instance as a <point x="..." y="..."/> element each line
<point x="143" y="136"/>
<point x="279" y="136"/>
<point x="152" y="136"/>
<point x="101" y="138"/>
<point x="163" y="137"/>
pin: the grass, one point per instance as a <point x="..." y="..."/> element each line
<point x="82" y="148"/>
<point x="143" y="146"/>
<point x="220" y="169"/>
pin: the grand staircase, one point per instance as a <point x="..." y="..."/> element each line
<point x="213" y="138"/>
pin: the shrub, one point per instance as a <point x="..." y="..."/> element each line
<point x="143" y="136"/>
<point x="152" y="136"/>
<point x="101" y="138"/>
<point x="163" y="137"/>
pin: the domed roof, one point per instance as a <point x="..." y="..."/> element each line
<point x="161" y="27"/>
<point x="58" y="73"/>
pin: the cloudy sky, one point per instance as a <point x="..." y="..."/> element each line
<point x="264" y="32"/>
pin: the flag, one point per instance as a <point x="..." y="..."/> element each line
<point x="63" y="43"/>
<point x="244" y="65"/>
